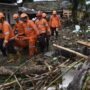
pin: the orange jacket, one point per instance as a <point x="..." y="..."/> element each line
<point x="54" y="21"/>
<point x="1" y="31"/>
<point x="42" y="25"/>
<point x="19" y="27"/>
<point x="6" y="32"/>
<point x="30" y="28"/>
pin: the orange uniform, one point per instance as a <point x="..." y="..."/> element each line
<point x="42" y="25"/>
<point x="31" y="33"/>
<point x="18" y="28"/>
<point x="1" y="32"/>
<point x="30" y="28"/>
<point x="6" y="41"/>
<point x="55" y="24"/>
<point x="44" y="30"/>
<point x="6" y="35"/>
<point x="6" y="32"/>
<point x="54" y="21"/>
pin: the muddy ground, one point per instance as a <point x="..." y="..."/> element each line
<point x="42" y="70"/>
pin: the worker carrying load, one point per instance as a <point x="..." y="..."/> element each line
<point x="44" y="30"/>
<point x="18" y="31"/>
<point x="18" y="28"/>
<point x="31" y="33"/>
<point x="6" y="41"/>
<point x="55" y="23"/>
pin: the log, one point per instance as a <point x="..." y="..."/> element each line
<point x="8" y="70"/>
<point x="71" y="51"/>
<point x="84" y="43"/>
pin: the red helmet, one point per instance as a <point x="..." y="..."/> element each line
<point x="39" y="14"/>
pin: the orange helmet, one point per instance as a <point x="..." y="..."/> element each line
<point x="1" y="15"/>
<point x="23" y="15"/>
<point x="39" y="14"/>
<point x="54" y="12"/>
<point x="15" y="16"/>
<point x="44" y="14"/>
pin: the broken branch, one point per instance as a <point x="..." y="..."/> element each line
<point x="84" y="43"/>
<point x="71" y="51"/>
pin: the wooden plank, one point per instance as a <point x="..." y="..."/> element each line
<point x="84" y="43"/>
<point x="69" y="50"/>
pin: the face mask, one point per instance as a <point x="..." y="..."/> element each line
<point x="24" y="19"/>
<point x="17" y="19"/>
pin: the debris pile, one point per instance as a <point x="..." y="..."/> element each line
<point x="43" y="71"/>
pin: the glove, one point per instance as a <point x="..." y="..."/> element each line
<point x="5" y="43"/>
<point x="57" y="29"/>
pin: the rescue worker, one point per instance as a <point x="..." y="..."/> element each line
<point x="55" y="23"/>
<point x="19" y="31"/>
<point x="45" y="16"/>
<point x="6" y="41"/>
<point x="18" y="27"/>
<point x="31" y="33"/>
<point x="44" y="30"/>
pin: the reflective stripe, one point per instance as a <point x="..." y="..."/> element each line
<point x="31" y="46"/>
<point x="43" y="31"/>
<point x="6" y="33"/>
<point x="28" y="28"/>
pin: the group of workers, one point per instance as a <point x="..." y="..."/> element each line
<point x="27" y="32"/>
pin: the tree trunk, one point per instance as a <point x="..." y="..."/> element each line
<point x="8" y="70"/>
<point x="74" y="10"/>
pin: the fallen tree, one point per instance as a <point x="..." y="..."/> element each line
<point x="71" y="51"/>
<point x="38" y="69"/>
